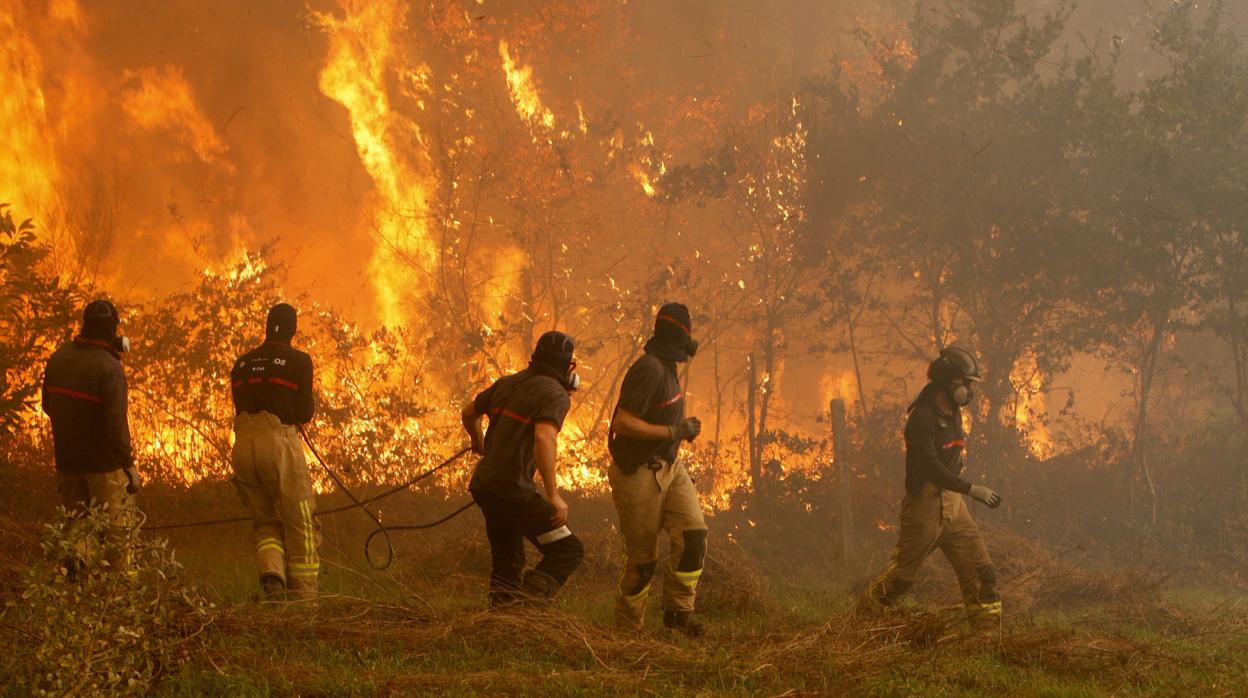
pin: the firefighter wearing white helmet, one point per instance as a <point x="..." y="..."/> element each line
<point x="933" y="513"/>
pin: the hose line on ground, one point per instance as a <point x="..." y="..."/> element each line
<point x="356" y="503"/>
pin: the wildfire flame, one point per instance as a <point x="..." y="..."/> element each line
<point x="361" y="53"/>
<point x="162" y="100"/>
<point x="523" y="91"/>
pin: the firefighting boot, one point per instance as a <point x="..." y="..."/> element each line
<point x="683" y="621"/>
<point x="984" y="616"/>
<point x="272" y="587"/>
<point x="537" y="588"/>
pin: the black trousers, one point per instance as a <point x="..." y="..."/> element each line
<point x="509" y="521"/>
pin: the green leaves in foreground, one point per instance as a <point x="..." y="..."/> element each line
<point x="104" y="612"/>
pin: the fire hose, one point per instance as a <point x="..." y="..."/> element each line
<point x="356" y="503"/>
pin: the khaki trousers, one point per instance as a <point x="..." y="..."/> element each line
<point x="272" y="479"/>
<point x="107" y="490"/>
<point x="649" y="502"/>
<point x="939" y="519"/>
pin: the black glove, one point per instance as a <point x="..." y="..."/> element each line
<point x="687" y="429"/>
<point x="132" y="480"/>
<point x="985" y="495"/>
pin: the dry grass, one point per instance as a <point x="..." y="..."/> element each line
<point x="1066" y="626"/>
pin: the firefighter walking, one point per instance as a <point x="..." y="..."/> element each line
<point x="272" y="390"/>
<point x="933" y="512"/>
<point x="526" y="411"/>
<point x="84" y="394"/>
<point x="650" y="487"/>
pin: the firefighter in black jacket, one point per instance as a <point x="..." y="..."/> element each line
<point x="526" y="412"/>
<point x="933" y="512"/>
<point x="272" y="391"/>
<point x="651" y="489"/>
<point x="84" y="394"/>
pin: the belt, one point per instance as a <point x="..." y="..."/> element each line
<point x="654" y="464"/>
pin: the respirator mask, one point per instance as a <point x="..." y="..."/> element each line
<point x="691" y="348"/>
<point x="962" y="394"/>
<point x="121" y="344"/>
<point x="573" y="381"/>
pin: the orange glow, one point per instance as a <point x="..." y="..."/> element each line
<point x="1028" y="382"/>
<point x="161" y="100"/>
<point x="523" y="91"/>
<point x="29" y="172"/>
<point x="361" y="53"/>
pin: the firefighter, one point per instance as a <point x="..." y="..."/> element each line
<point x="652" y="491"/>
<point x="84" y="394"/>
<point x="933" y="512"/>
<point x="272" y="390"/>
<point x="526" y="412"/>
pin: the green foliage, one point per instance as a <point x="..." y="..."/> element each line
<point x="36" y="310"/>
<point x="97" y="630"/>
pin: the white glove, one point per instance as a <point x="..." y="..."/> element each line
<point x="985" y="495"/>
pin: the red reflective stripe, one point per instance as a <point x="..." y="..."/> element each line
<point x="954" y="444"/>
<point x="508" y="413"/>
<point x="285" y="383"/>
<point x="79" y="395"/>
<point x="237" y="384"/>
<point x="669" y="403"/>
<point x="253" y="381"/>
<point x="675" y="322"/>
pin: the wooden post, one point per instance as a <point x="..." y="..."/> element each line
<point x="840" y="457"/>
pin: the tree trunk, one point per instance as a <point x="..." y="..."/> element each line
<point x="756" y="468"/>
<point x="840" y="457"/>
<point x="1139" y="444"/>
<point x="853" y="352"/>
<point x="719" y="409"/>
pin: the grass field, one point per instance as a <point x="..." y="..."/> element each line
<point x="783" y="628"/>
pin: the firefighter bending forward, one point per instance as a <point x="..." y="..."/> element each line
<point x="526" y="412"/>
<point x="933" y="511"/>
<point x="272" y="390"/>
<point x="84" y="394"/>
<point x="651" y="489"/>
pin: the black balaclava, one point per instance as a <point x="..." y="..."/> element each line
<point x="281" y="323"/>
<point x="553" y="356"/>
<point x="672" y="340"/>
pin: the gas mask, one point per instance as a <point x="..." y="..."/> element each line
<point x="961" y="395"/>
<point x="691" y="348"/>
<point x="573" y="380"/>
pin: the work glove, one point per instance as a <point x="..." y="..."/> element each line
<point x="687" y="429"/>
<point x="985" y="495"/>
<point x="132" y="480"/>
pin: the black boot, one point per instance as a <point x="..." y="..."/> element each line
<point x="538" y="588"/>
<point x="684" y="621"/>
<point x="272" y="587"/>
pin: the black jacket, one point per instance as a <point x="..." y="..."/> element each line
<point x="275" y="378"/>
<point x="934" y="445"/>
<point x="651" y="391"/>
<point x="84" y="394"/>
<point x="515" y="404"/>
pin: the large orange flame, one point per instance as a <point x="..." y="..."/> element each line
<point x="362" y="54"/>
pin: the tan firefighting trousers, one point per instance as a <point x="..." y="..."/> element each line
<point x="939" y="519"/>
<point x="649" y="502"/>
<point x="272" y="478"/>
<point x="106" y="490"/>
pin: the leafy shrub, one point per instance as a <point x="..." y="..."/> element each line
<point x="94" y="630"/>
